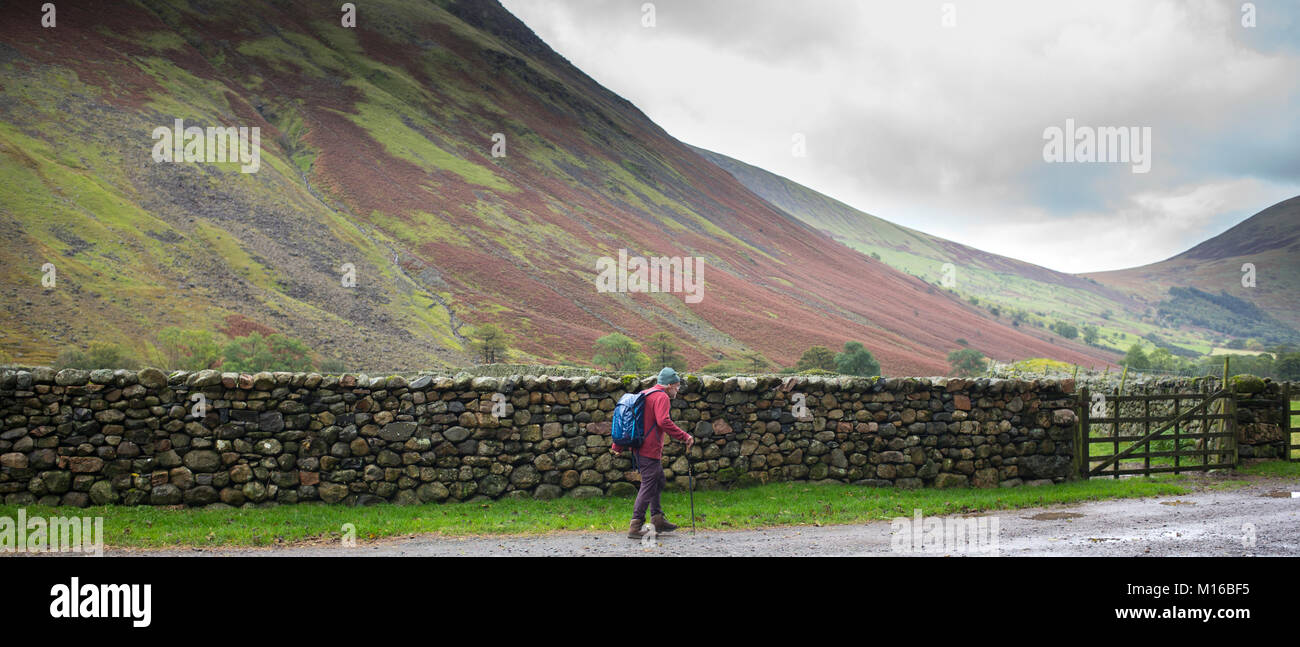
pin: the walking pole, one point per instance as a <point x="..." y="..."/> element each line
<point x="691" y="481"/>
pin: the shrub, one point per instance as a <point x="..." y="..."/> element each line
<point x="255" y="353"/>
<point x="817" y="357"/>
<point x="856" y="360"/>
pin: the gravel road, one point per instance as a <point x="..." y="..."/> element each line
<point x="1204" y="523"/>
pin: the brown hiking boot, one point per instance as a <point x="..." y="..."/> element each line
<point x="661" y="524"/>
<point x="635" y="532"/>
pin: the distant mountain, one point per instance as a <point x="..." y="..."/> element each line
<point x="1268" y="240"/>
<point x="1126" y="306"/>
<point x="377" y="165"/>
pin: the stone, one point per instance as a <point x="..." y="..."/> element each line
<point x="152" y="378"/>
<point x="181" y="477"/>
<point x="71" y="376"/>
<point x="492" y="485"/>
<point x="85" y="464"/>
<point x="241" y="473"/>
<point x="255" y="491"/>
<point x="525" y="477"/>
<point x="1039" y="466"/>
<point x="547" y="492"/>
<point x="102" y="493"/>
<point x="332" y="492"/>
<point x="232" y="496"/>
<point x="75" y="500"/>
<point x="397" y="431"/>
<point x="165" y="494"/>
<point x="268" y="447"/>
<point x="13" y="460"/>
<point x="430" y="492"/>
<point x="623" y="489"/>
<point x="569" y="479"/>
<point x="57" y="482"/>
<point x="202" y="460"/>
<point x="949" y="480"/>
<point x="585" y="492"/>
<point x="271" y="421"/>
<point x="202" y="495"/>
<point x="205" y="378"/>
<point x="985" y="478"/>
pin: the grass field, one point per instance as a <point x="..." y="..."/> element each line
<point x="778" y="504"/>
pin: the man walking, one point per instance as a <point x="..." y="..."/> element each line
<point x="649" y="458"/>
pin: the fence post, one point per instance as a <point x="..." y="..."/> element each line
<point x="1081" y="435"/>
<point x="1232" y="419"/>
<point x="1286" y="421"/>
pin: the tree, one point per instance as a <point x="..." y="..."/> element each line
<point x="1287" y="367"/>
<point x="1065" y="329"/>
<point x="966" y="362"/>
<point x="1162" y="359"/>
<point x="255" y="353"/>
<point x="100" y="355"/>
<point x="819" y="357"/>
<point x="1090" y="334"/>
<point x="620" y="353"/>
<point x="490" y="343"/>
<point x="663" y="352"/>
<point x="72" y="358"/>
<point x="856" y="360"/>
<point x="1136" y="358"/>
<point x="757" y="361"/>
<point x="190" y="350"/>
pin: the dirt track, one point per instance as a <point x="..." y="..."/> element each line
<point x="1204" y="523"/>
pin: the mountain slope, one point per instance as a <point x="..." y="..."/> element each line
<point x="1124" y="306"/>
<point x="376" y="155"/>
<point x="1269" y="240"/>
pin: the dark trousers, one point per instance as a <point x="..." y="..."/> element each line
<point x="653" y="482"/>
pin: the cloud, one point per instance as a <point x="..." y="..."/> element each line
<point x="941" y="128"/>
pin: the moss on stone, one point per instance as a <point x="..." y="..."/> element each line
<point x="1247" y="384"/>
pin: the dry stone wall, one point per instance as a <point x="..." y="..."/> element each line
<point x="1261" y="423"/>
<point x="207" y="438"/>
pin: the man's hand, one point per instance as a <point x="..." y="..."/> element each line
<point x="690" y="440"/>
<point x="618" y="450"/>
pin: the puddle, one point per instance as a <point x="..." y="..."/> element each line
<point x="1177" y="502"/>
<point x="1278" y="494"/>
<point x="1053" y="516"/>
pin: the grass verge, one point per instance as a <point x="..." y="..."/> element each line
<point x="1271" y="468"/>
<point x="776" y="504"/>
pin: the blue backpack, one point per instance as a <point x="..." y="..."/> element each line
<point x="628" y="429"/>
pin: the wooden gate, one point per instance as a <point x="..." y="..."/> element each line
<point x="1180" y="440"/>
<point x="1290" y="432"/>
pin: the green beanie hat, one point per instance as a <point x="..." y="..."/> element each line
<point x="668" y="376"/>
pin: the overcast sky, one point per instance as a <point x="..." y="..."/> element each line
<point x="941" y="128"/>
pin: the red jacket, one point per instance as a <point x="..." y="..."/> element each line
<point x="657" y="423"/>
